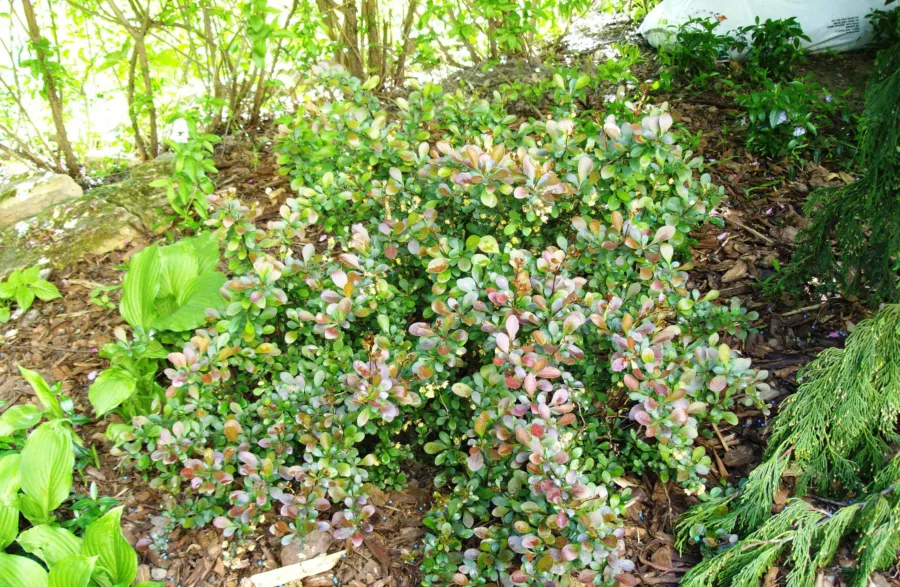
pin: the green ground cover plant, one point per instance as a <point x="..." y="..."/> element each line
<point x="36" y="478"/>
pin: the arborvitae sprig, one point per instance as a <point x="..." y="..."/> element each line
<point x="835" y="436"/>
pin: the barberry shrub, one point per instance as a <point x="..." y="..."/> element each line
<point x="508" y="297"/>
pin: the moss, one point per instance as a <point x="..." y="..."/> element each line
<point x="103" y="219"/>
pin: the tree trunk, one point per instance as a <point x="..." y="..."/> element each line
<point x="51" y="91"/>
<point x="141" y="50"/>
<point x="350" y="38"/>
<point x="370" y="16"/>
<point x="132" y="110"/>
<point x="407" y="42"/>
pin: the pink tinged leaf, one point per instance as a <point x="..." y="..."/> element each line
<point x="587" y="576"/>
<point x="523" y="436"/>
<point x="679" y="415"/>
<point x="562" y="520"/>
<point x="569" y="553"/>
<point x="421" y="329"/>
<point x="665" y="122"/>
<point x="530" y="541"/>
<point x="549" y="373"/>
<point x="718" y="383"/>
<point x="177" y="359"/>
<point x="664" y="234"/>
<point x="339" y="278"/>
<point x="331" y="333"/>
<point x="503" y="342"/>
<point x="631" y="382"/>
<point x="560" y="396"/>
<point x="666" y="334"/>
<point x="518" y="577"/>
<point x="350" y="259"/>
<point x="544" y="411"/>
<point x="476" y="461"/>
<point x="530" y="383"/>
<point x="585" y="167"/>
<point x="643" y="418"/>
<point x="512" y="326"/>
<point x="221" y="522"/>
<point x="331" y="296"/>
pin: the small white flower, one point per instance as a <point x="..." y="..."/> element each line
<point x="799" y="131"/>
<point x="781" y="118"/>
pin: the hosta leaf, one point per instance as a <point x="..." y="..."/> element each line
<point x="178" y="268"/>
<point x="9" y="525"/>
<point x="49" y="543"/>
<point x="72" y="571"/>
<point x="43" y="392"/>
<point x="140" y="287"/>
<point x="46" y="471"/>
<point x="18" y="570"/>
<point x="103" y="538"/>
<point x="202" y="293"/>
<point x="9" y="476"/>
<point x="19" y="418"/>
<point x="112" y="387"/>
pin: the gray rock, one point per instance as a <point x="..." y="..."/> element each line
<point x="158" y="574"/>
<point x="27" y="198"/>
<point x="104" y="219"/>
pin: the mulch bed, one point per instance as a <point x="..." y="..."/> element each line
<point x="762" y="214"/>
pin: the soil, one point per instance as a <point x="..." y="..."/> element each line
<point x="761" y="215"/>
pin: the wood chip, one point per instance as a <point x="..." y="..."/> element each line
<point x="296" y="572"/>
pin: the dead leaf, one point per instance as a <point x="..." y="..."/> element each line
<point x="771" y="578"/>
<point x="662" y="558"/>
<point x="737" y="271"/>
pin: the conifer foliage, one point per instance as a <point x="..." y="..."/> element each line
<point x="837" y="436"/>
<point x="853" y="239"/>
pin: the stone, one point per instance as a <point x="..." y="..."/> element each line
<point x="310" y="546"/>
<point x="104" y="219"/>
<point x="158" y="574"/>
<point x="739" y="456"/>
<point x="24" y="199"/>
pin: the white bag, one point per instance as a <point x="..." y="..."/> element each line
<point x="840" y="25"/>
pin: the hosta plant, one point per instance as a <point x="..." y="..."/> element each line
<point x="35" y="481"/>
<point x="167" y="288"/>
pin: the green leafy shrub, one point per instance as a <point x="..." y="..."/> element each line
<point x="187" y="187"/>
<point x="493" y="288"/>
<point x="790" y="119"/>
<point x="836" y="435"/>
<point x="885" y="27"/>
<point x="23" y="287"/>
<point x="696" y="49"/>
<point x="35" y="480"/>
<point x="772" y="48"/>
